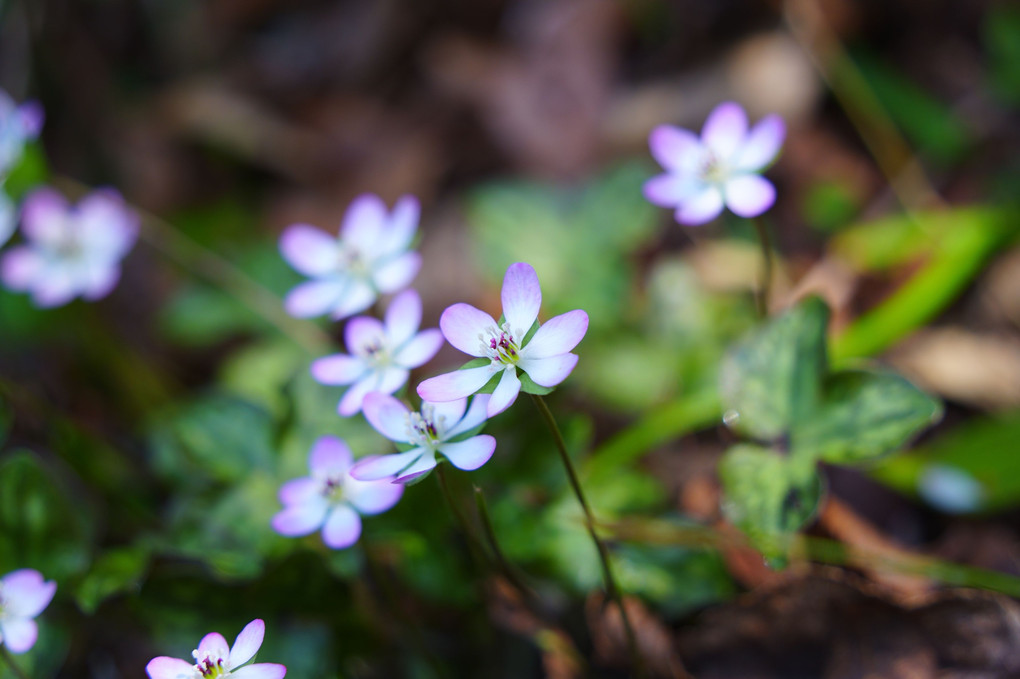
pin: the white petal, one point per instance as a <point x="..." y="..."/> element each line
<point x="505" y="393"/>
<point x="338" y="369"/>
<point x="21" y="267"/>
<point x="762" y="144"/>
<point x="403" y="222"/>
<point x="387" y="415"/>
<point x="309" y="250"/>
<point x="26" y="593"/>
<point x="247" y="643"/>
<point x="403" y="317"/>
<point x="330" y="456"/>
<point x="397" y="273"/>
<point x="343" y="527"/>
<point x="364" y="335"/>
<point x="749" y="195"/>
<point x="372" y="497"/>
<point x="675" y="148"/>
<point x="424" y="465"/>
<point x="471" y="453"/>
<point x="260" y="671"/>
<point x="301" y="519"/>
<point x="99" y="280"/>
<point x="462" y="324"/>
<point x="19" y="634"/>
<point x="298" y="491"/>
<point x="315" y="298"/>
<point x="56" y="287"/>
<point x="456" y="384"/>
<point x="548" y="372"/>
<point x="357" y="296"/>
<point x="169" y="668"/>
<point x="669" y="190"/>
<point x="476" y="414"/>
<point x="44" y="218"/>
<point x="725" y="130"/>
<point x="522" y="297"/>
<point x="104" y="225"/>
<point x="558" y="335"/>
<point x="449" y="413"/>
<point x="354" y="397"/>
<point x="420" y="349"/>
<point x="215" y="645"/>
<point x="702" y="208"/>
<point x="363" y="223"/>
<point x="377" y="467"/>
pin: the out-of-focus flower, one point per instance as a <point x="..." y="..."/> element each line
<point x="381" y="354"/>
<point x="719" y="169"/>
<point x="545" y="357"/>
<point x="429" y="431"/>
<point x="369" y="258"/>
<point x="214" y="659"/>
<point x="18" y="125"/>
<point x="69" y="251"/>
<point x="23" y="595"/>
<point x="331" y="498"/>
<point x="950" y="489"/>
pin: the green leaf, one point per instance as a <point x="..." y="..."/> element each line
<point x="115" y="572"/>
<point x="528" y="385"/>
<point x="772" y="379"/>
<point x="768" y="496"/>
<point x="1002" y="43"/>
<point x="864" y="415"/>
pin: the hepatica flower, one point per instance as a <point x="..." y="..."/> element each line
<point x="18" y="125"/>
<point x="721" y="168"/>
<point x="429" y="431"/>
<point x="381" y="353"/>
<point x="70" y="251"/>
<point x="331" y="499"/>
<point x="370" y="257"/>
<point x="23" y="595"/>
<point x="504" y="348"/>
<point x="213" y="658"/>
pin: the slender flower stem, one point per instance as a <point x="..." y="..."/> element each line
<point x="15" y="670"/>
<point x="497" y="551"/>
<point x="474" y="544"/>
<point x="607" y="572"/>
<point x="765" y="286"/>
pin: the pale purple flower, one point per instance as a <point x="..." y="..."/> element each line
<point x="18" y="125"/>
<point x="545" y="357"/>
<point x="370" y="258"/>
<point x="382" y="354"/>
<point x="69" y="251"/>
<point x="430" y="431"/>
<point x="23" y="595"/>
<point x="213" y="658"/>
<point x="718" y="169"/>
<point x="331" y="499"/>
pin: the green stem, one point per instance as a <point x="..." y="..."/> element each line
<point x="762" y="298"/>
<point x="15" y="670"/>
<point x="490" y="536"/>
<point x="612" y="589"/>
<point x="474" y="546"/>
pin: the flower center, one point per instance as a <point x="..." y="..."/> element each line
<point x="713" y="170"/>
<point x="424" y="428"/>
<point x="500" y="344"/>
<point x="333" y="488"/>
<point x="207" y="665"/>
<point x="352" y="261"/>
<point x="377" y="353"/>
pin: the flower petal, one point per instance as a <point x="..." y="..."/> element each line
<point x="397" y="273"/>
<point x="338" y="369"/>
<point x="462" y="324"/>
<point x="505" y="393"/>
<point x="762" y="144"/>
<point x="376" y="467"/>
<point x="247" y="643"/>
<point x="26" y="593"/>
<point x="387" y="415"/>
<point x="260" y="671"/>
<point x="99" y="280"/>
<point x="403" y="317"/>
<point x="703" y="207"/>
<point x="56" y="287"/>
<point x="343" y="527"/>
<point x="301" y="519"/>
<point x="44" y="218"/>
<point x="215" y="645"/>
<point x="19" y="634"/>
<point x="363" y="223"/>
<point x="420" y="349"/>
<point x="423" y="466"/>
<point x="548" y="372"/>
<point x="558" y="335"/>
<point x="471" y="453"/>
<point x="675" y="148"/>
<point x="309" y="250"/>
<point x="456" y="384"/>
<point x="364" y="335"/>
<point x="448" y="412"/>
<point x="372" y="497"/>
<point x="357" y="296"/>
<point x="32" y="117"/>
<point x="21" y="267"/>
<point x="476" y="414"/>
<point x="387" y="382"/>
<point x="522" y="297"/>
<point x="670" y="190"/>
<point x="104" y="225"/>
<point x="315" y="298"/>
<point x="403" y="223"/>
<point x="749" y="195"/>
<point x="725" y="130"/>
<point x="329" y="456"/>
<point x="298" y="491"/>
<point x="169" y="668"/>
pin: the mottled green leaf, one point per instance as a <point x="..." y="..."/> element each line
<point x="115" y="572"/>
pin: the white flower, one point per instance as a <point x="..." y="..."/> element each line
<point x="18" y="124"/>
<point x="214" y="659"/>
<point x="23" y="595"/>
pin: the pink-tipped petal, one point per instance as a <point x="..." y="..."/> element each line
<point x="302" y="519"/>
<point x="314" y="298"/>
<point x="522" y="297"/>
<point x="99" y="281"/>
<point x="21" y="267"/>
<point x="449" y="412"/>
<point x="505" y="393"/>
<point x="420" y="349"/>
<point x="476" y="414"/>
<point x="749" y="195"/>
<point x="558" y="335"/>
<point x="403" y="317"/>
<point x="260" y="671"/>
<point x="56" y="287"/>
<point x="19" y="634"/>
<point x="357" y="296"/>
<point x="105" y="226"/>
<point x="32" y="117"/>
<point x="354" y="398"/>
<point x="363" y="223"/>
<point x="247" y="643"/>
<point x="298" y="491"/>
<point x="377" y="467"/>
<point x="44" y="217"/>
<point x="169" y="668"/>
<point x="675" y="148"/>
<point x="342" y="529"/>
<point x="462" y="324"/>
<point x="424" y="465"/>
<point x="388" y="416"/>
<point x="548" y="372"/>
<point x="456" y="384"/>
<point x="397" y="273"/>
<point x="215" y="645"/>
<point x="26" y="593"/>
<point x="402" y="224"/>
<point x="702" y="208"/>
<point x="372" y="497"/>
<point x="330" y="456"/>
<point x="471" y="453"/>
<point x="338" y="369"/>
<point x="364" y="335"/>
<point x="309" y="250"/>
<point x="725" y="130"/>
<point x="670" y="190"/>
<point x="762" y="144"/>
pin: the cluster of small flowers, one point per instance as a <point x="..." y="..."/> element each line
<point x="68" y="250"/>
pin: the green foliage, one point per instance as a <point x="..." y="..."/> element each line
<point x="117" y="571"/>
<point x="1002" y="41"/>
<point x="830" y="205"/>
<point x="31" y="171"/>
